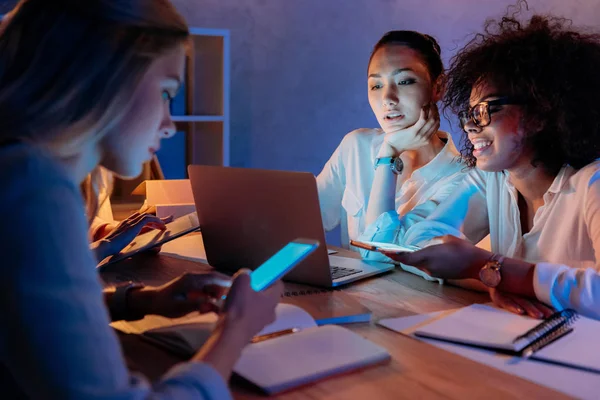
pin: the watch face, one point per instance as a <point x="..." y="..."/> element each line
<point x="490" y="275"/>
<point x="398" y="165"/>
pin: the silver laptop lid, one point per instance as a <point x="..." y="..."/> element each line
<point x="246" y="215"/>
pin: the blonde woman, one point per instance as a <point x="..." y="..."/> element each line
<point x="86" y="84"/>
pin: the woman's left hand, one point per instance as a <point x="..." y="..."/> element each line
<point x="455" y="258"/>
<point x="520" y="305"/>
<point x="190" y="292"/>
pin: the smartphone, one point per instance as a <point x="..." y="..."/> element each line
<point x="281" y="263"/>
<point x="380" y="247"/>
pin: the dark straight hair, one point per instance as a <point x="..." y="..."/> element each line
<point x="424" y="44"/>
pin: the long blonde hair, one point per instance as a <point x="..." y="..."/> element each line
<point x="68" y="68"/>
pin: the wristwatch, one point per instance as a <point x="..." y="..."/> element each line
<point x="394" y="163"/>
<point x="490" y="274"/>
<point x="120" y="304"/>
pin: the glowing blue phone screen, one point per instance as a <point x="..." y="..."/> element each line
<point x="280" y="263"/>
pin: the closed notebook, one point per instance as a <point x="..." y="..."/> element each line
<point x="281" y="363"/>
<point x="312" y="353"/>
<point x="562" y="339"/>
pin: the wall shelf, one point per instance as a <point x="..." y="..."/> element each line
<point x="200" y="111"/>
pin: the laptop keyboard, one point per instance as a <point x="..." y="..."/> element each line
<point x="341" y="272"/>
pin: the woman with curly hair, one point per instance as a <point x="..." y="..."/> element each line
<point x="526" y="94"/>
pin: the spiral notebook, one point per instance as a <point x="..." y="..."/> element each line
<point x="491" y="328"/>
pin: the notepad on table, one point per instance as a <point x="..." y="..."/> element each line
<point x="311" y="353"/>
<point x="560" y="340"/>
<point x="484" y="326"/>
<point x="569" y="364"/>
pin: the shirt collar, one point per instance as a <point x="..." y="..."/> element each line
<point x="439" y="164"/>
<point x="558" y="183"/>
<point x="561" y="179"/>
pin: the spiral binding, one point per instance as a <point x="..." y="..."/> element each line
<point x="293" y="293"/>
<point x="548" y="331"/>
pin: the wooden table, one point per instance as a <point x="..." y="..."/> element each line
<point x="417" y="369"/>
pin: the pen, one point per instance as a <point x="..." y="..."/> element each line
<point x="262" y="338"/>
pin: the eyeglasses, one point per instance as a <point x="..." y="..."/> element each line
<point x="481" y="113"/>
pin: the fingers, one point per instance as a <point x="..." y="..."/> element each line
<point x="148" y="220"/>
<point x="504" y="301"/>
<point x="530" y="308"/>
<point x="520" y="305"/>
<point x="212" y="284"/>
<point x="276" y="289"/>
<point x="409" y="258"/>
<point x="547" y="311"/>
<point x="168" y="219"/>
<point x="432" y="123"/>
<point x="421" y="122"/>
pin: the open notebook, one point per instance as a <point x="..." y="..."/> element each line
<point x="491" y="328"/>
<point x="274" y="365"/>
<point x="551" y="366"/>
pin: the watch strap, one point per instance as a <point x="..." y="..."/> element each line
<point x="395" y="163"/>
<point x="120" y="306"/>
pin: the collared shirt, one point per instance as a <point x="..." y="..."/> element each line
<point x="346" y="180"/>
<point x="564" y="240"/>
<point x="55" y="341"/>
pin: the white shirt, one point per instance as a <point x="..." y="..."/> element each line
<point x="564" y="240"/>
<point x="345" y="185"/>
<point x="104" y="214"/>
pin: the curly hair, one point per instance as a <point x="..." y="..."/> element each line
<point x="552" y="68"/>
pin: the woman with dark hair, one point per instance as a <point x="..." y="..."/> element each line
<point x="379" y="182"/>
<point x="526" y="94"/>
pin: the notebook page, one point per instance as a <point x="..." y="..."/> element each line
<point x="154" y="322"/>
<point x="288" y="316"/>
<point x="576" y="383"/>
<point x="578" y="348"/>
<point x="189" y="247"/>
<point x="480" y="325"/>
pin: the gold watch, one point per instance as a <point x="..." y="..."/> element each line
<point x="490" y="274"/>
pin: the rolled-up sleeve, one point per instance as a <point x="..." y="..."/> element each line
<point x="330" y="184"/>
<point x="564" y="287"/>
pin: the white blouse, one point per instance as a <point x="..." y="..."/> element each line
<point x="345" y="183"/>
<point x="564" y="240"/>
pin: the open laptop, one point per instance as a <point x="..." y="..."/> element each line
<point x="246" y="215"/>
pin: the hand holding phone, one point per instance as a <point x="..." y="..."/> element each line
<point x="384" y="247"/>
<point x="281" y="263"/>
